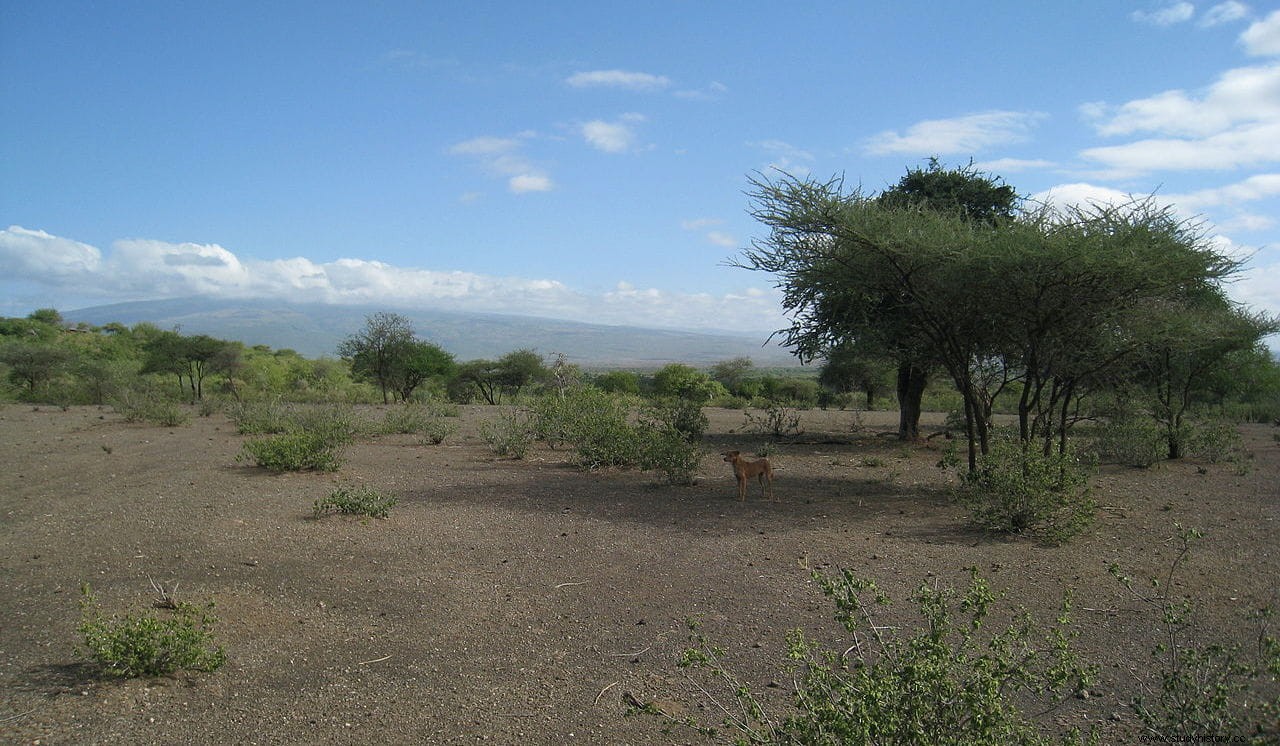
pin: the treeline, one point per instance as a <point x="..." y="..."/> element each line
<point x="1060" y="317"/>
<point x="43" y="359"/>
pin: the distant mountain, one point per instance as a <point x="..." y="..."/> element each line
<point x="315" y="330"/>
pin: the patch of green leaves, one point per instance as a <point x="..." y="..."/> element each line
<point x="148" y="645"/>
<point x="359" y="500"/>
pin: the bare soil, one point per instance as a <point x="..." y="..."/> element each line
<point x="528" y="601"/>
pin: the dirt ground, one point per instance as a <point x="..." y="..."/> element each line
<point x="527" y="601"/>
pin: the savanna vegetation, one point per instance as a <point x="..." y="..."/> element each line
<point x="1056" y="340"/>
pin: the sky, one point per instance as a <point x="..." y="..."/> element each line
<point x="584" y="161"/>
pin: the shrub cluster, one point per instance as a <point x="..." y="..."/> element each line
<point x="1018" y="489"/>
<point x="359" y="500"/>
<point x="952" y="681"/>
<point x="309" y="438"/>
<point x="147" y="645"/>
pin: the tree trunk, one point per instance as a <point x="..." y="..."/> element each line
<point x="912" y="380"/>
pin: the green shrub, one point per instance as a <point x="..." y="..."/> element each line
<point x="435" y="430"/>
<point x="951" y="682"/>
<point x="298" y="450"/>
<point x="260" y="417"/>
<point x="1216" y="442"/>
<point x="142" y="405"/>
<point x="148" y="645"/>
<point x="510" y="434"/>
<point x="1130" y="440"/>
<point x="776" y="420"/>
<point x="358" y="500"/>
<point x="1017" y="489"/>
<point x="667" y="450"/>
<point x="684" y="416"/>
<point x="1210" y="692"/>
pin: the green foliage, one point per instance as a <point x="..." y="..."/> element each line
<point x="143" y="403"/>
<point x="1018" y="489"/>
<point x="1131" y="440"/>
<point x="509" y="434"/>
<point x="260" y="417"/>
<point x="683" y="416"/>
<point x="618" y="382"/>
<point x="777" y="420"/>
<point x="1210" y="692"/>
<point x="358" y="500"/>
<point x="678" y="381"/>
<point x="951" y="682"/>
<point x="669" y="451"/>
<point x="147" y="645"/>
<point x="1215" y="442"/>
<point x="295" y="450"/>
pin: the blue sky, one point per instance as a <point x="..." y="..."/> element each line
<point x="585" y="161"/>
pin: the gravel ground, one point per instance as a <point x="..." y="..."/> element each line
<point x="528" y="601"/>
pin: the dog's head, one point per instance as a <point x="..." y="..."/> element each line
<point x="731" y="456"/>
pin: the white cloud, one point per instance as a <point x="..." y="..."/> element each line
<point x="710" y="92"/>
<point x="485" y="146"/>
<point x="1238" y="96"/>
<point x="697" y="224"/>
<point x="1262" y="38"/>
<point x="140" y="269"/>
<point x="1245" y="146"/>
<point x="503" y="156"/>
<point x="1224" y="13"/>
<point x="610" y="137"/>
<point x="1081" y="194"/>
<point x="965" y="135"/>
<point x="1256" y="187"/>
<point x="720" y="238"/>
<point x="523" y="183"/>
<point x="633" y="81"/>
<point x="785" y="157"/>
<point x="45" y="259"/>
<point x="1168" y="15"/>
<point x="1001" y="166"/>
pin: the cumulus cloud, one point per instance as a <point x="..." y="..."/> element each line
<point x="1233" y="123"/>
<point x="966" y="134"/>
<point x="1224" y="13"/>
<point x="1239" y="96"/>
<point x="503" y="156"/>
<point x="1168" y="15"/>
<point x="523" y="183"/>
<point x="625" y="79"/>
<point x="1262" y="38"/>
<point x="612" y="137"/>
<point x="1246" y="146"/>
<point x="45" y="259"/>
<point x="142" y="269"/>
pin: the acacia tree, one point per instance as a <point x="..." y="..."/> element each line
<point x="416" y="362"/>
<point x="372" y="351"/>
<point x="1048" y="301"/>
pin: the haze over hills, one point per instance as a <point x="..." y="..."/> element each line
<point x="314" y="330"/>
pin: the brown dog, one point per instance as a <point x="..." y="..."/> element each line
<point x="744" y="470"/>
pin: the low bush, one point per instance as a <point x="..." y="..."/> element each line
<point x="140" y="405"/>
<point x="1017" y="489"/>
<point x="148" y="645"/>
<point x="359" y="500"/>
<point x="1209" y="691"/>
<point x="1130" y="440"/>
<point x="951" y="682"/>
<point x="777" y="420"/>
<point x="510" y="434"/>
<point x="668" y="451"/>
<point x="260" y="417"/>
<point x="298" y="450"/>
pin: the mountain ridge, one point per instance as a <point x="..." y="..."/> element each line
<point x="315" y="329"/>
